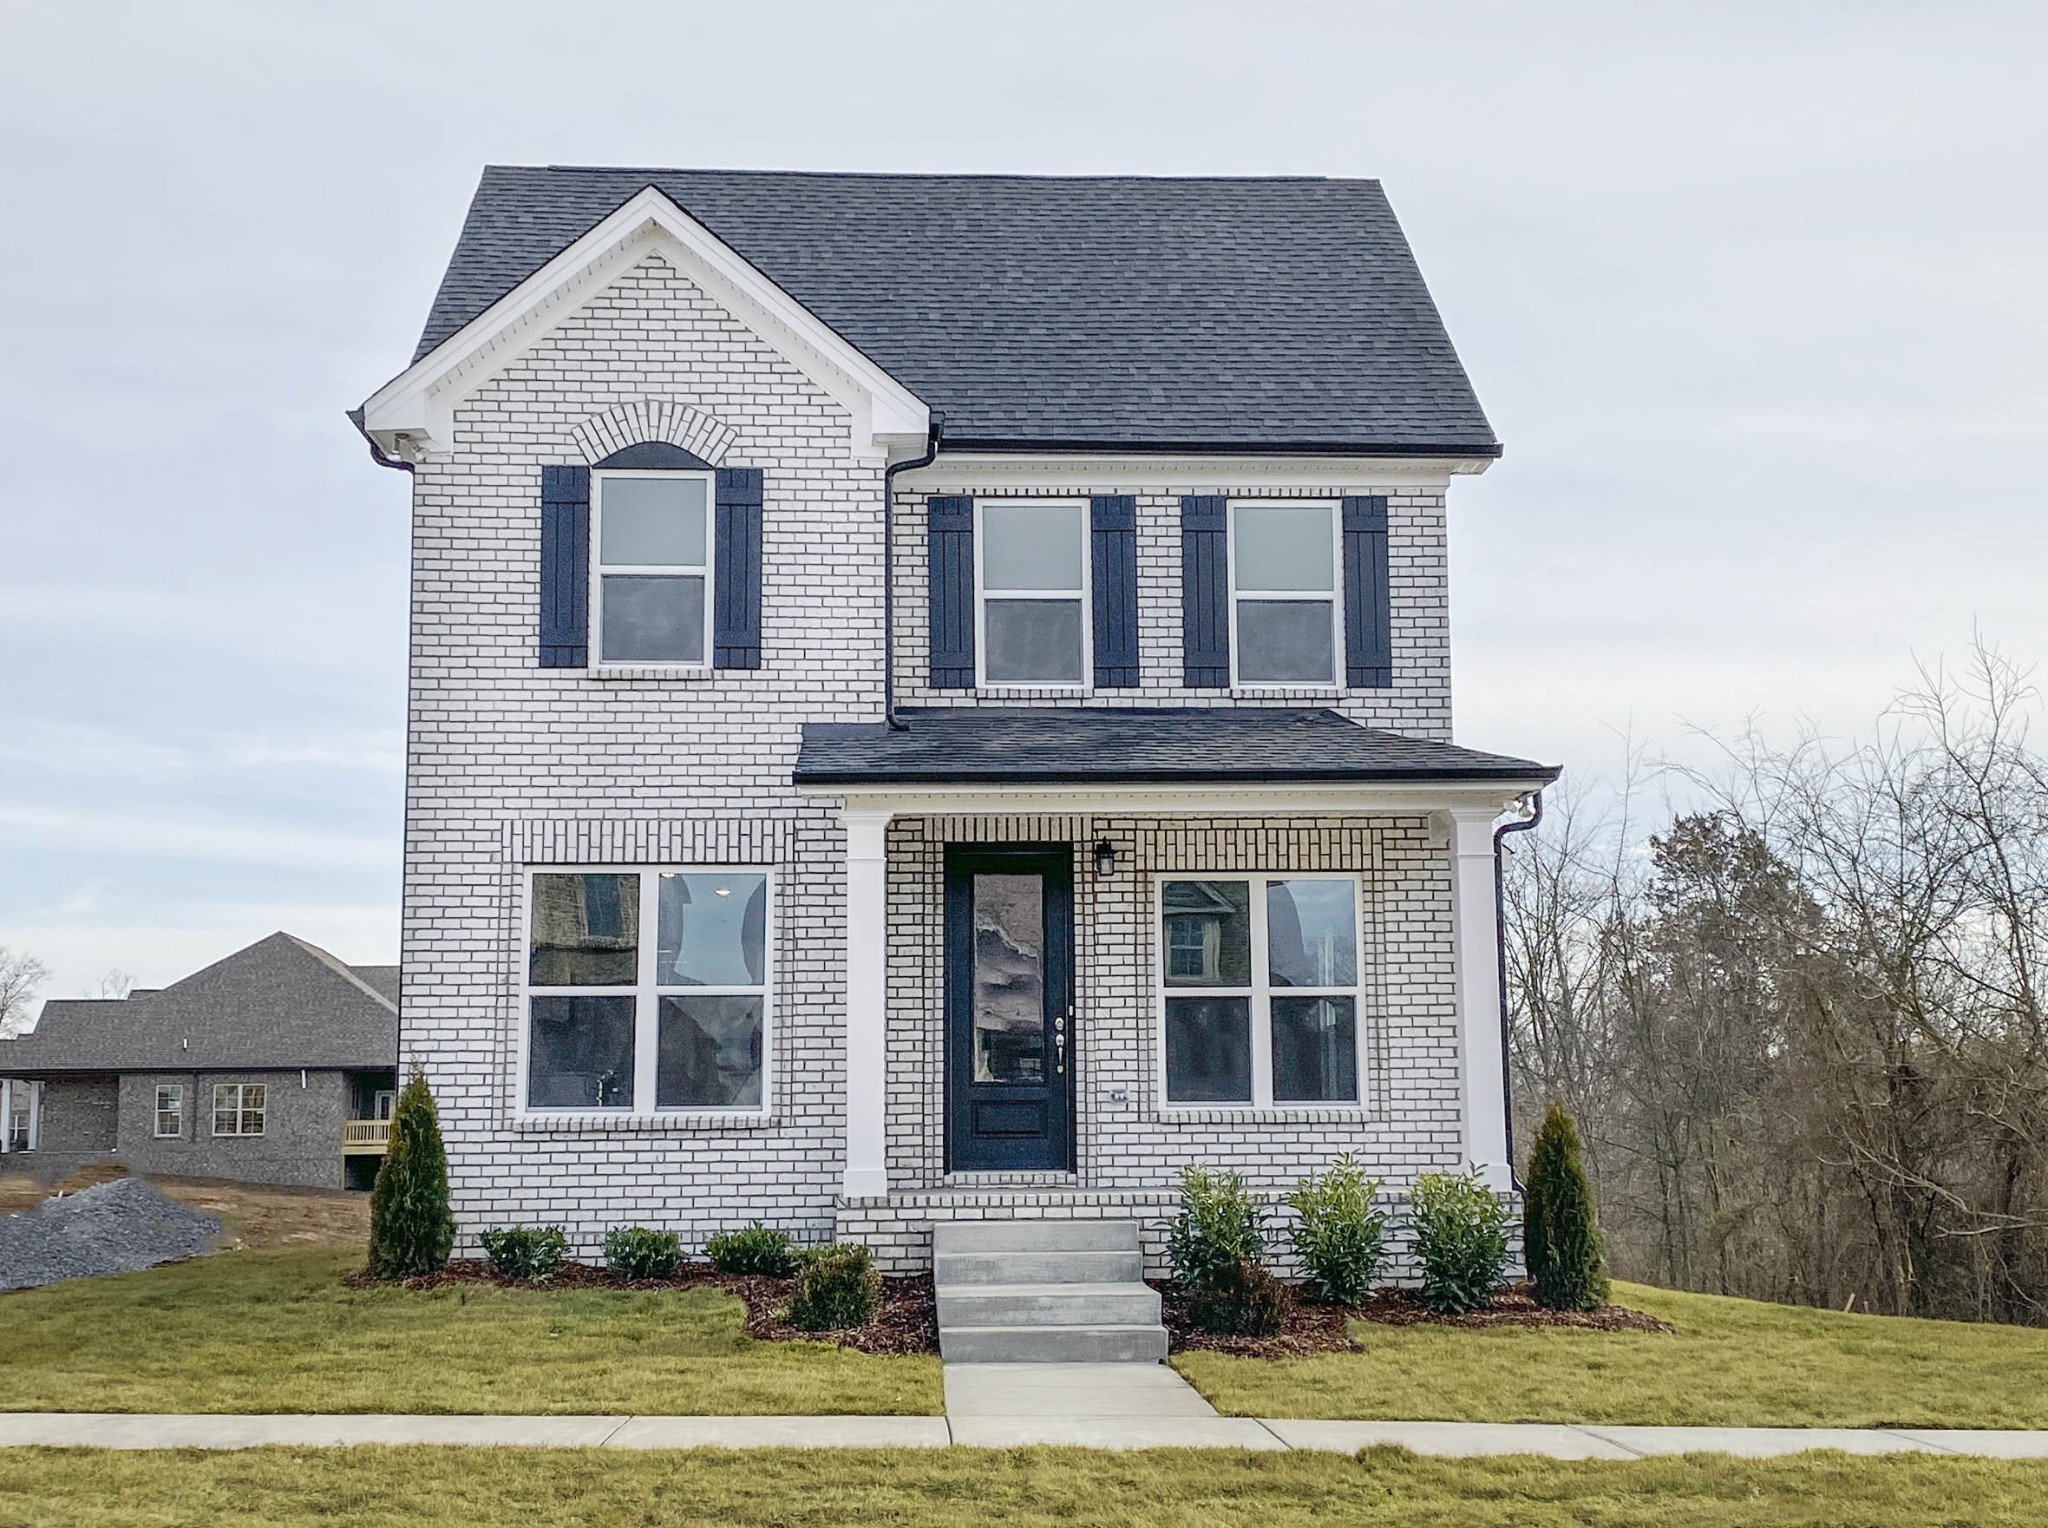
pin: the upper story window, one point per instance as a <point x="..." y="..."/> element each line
<point x="651" y="575"/>
<point x="634" y="1013"/>
<point x="1032" y="592"/>
<point x="1284" y="605"/>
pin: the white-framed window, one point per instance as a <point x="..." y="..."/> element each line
<point x="1286" y="606"/>
<point x="646" y="990"/>
<point x="1032" y="627"/>
<point x="238" y="1108"/>
<point x="170" y="1110"/>
<point x="651" y="568"/>
<point x="1259" y="990"/>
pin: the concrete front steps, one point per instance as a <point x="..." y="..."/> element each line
<point x="1044" y="1291"/>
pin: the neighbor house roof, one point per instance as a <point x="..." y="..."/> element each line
<point x="1099" y="312"/>
<point x="279" y="1003"/>
<point x="1102" y="745"/>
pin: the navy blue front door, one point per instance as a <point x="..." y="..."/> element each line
<point x="1009" y="1007"/>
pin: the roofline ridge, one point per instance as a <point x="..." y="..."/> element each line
<point x="948" y="175"/>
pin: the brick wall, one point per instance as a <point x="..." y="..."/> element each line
<point x="300" y="1143"/>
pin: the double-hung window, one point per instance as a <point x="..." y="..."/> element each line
<point x="1032" y="581"/>
<point x="1284" y="603"/>
<point x="238" y="1108"/>
<point x="170" y="1111"/>
<point x="1259" y="990"/>
<point x="651" y="575"/>
<point x="647" y="990"/>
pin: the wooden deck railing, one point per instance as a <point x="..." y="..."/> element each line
<point x="365" y="1137"/>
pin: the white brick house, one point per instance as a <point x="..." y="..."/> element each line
<point x="1103" y="820"/>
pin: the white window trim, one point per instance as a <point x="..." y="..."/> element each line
<point x="594" y="601"/>
<point x="177" y="1092"/>
<point x="982" y="595"/>
<point x="240" y="1108"/>
<point x="1336" y="595"/>
<point x="1260" y="993"/>
<point x="646" y="994"/>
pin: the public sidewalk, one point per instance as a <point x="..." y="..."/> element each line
<point x="1109" y="1406"/>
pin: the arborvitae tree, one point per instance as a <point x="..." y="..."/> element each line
<point x="411" y="1230"/>
<point x="1560" y="1229"/>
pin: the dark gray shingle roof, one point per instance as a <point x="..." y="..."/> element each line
<point x="1092" y="310"/>
<point x="1101" y="745"/>
<point x="279" y="1003"/>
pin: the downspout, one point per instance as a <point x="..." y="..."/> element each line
<point x="934" y="430"/>
<point x="1500" y="954"/>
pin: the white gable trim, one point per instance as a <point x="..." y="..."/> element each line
<point x="412" y="417"/>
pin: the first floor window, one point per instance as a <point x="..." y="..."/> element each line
<point x="1033" y="560"/>
<point x="170" y="1110"/>
<point x="238" y="1108"/>
<point x="653" y="567"/>
<point x="633" y="1013"/>
<point x="1283" y="577"/>
<point x="1259" y="990"/>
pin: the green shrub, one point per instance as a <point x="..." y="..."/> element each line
<point x="525" y="1252"/>
<point x="1338" y="1232"/>
<point x="635" y="1253"/>
<point x="1461" y="1240"/>
<point x="1219" y="1226"/>
<point x="411" y="1230"/>
<point x="755" y="1249"/>
<point x="836" y="1287"/>
<point x="1560" y="1228"/>
<point x="1241" y="1300"/>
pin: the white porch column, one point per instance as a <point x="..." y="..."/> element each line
<point x="35" y="1116"/>
<point x="6" y="1114"/>
<point x="867" y="1003"/>
<point x="1475" y="932"/>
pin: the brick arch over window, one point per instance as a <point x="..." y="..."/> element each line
<point x="654" y="419"/>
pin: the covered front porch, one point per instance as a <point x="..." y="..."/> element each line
<point x="1087" y="947"/>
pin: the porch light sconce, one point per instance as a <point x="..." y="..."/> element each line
<point x="1105" y="857"/>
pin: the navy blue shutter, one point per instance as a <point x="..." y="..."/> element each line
<point x="950" y="539"/>
<point x="1368" y="615"/>
<point x="1204" y="592"/>
<point x="736" y="612"/>
<point x="1113" y="546"/>
<point x="564" y="567"/>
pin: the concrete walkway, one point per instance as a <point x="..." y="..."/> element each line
<point x="1109" y="1406"/>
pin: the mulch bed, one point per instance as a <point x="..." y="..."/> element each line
<point x="1313" y="1327"/>
<point x="908" y="1322"/>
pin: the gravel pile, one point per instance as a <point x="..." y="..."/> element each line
<point x="117" y="1227"/>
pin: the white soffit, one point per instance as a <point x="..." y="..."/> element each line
<point x="412" y="417"/>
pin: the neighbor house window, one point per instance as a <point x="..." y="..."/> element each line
<point x="238" y="1108"/>
<point x="1283" y="585"/>
<point x="170" y="1111"/>
<point x="1032" y="557"/>
<point x="652" y="572"/>
<point x="1259" y="991"/>
<point x="647" y="990"/>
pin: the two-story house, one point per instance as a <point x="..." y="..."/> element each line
<point x="931" y="702"/>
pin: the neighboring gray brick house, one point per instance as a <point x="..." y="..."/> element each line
<point x="1103" y="819"/>
<point x="274" y="1065"/>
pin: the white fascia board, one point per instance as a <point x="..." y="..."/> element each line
<point x="1192" y="474"/>
<point x="1152" y="800"/>
<point x="412" y="416"/>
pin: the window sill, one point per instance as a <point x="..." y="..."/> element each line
<point x="643" y="672"/>
<point x="1285" y="691"/>
<point x="639" y="1124"/>
<point x="1252" y="1114"/>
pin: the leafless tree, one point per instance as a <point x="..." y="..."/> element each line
<point x="21" y="978"/>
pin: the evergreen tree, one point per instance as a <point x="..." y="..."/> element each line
<point x="411" y="1230"/>
<point x="1560" y="1229"/>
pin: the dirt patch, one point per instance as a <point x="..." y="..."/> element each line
<point x="908" y="1322"/>
<point x="1313" y="1327"/>
<point x="275" y="1215"/>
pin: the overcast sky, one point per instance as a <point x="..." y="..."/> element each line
<point x="1754" y="295"/>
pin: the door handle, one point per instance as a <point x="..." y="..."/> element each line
<point x="1059" y="1044"/>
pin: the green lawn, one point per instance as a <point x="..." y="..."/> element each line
<point x="456" y="1488"/>
<point x="1732" y="1362"/>
<point x="277" y="1331"/>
